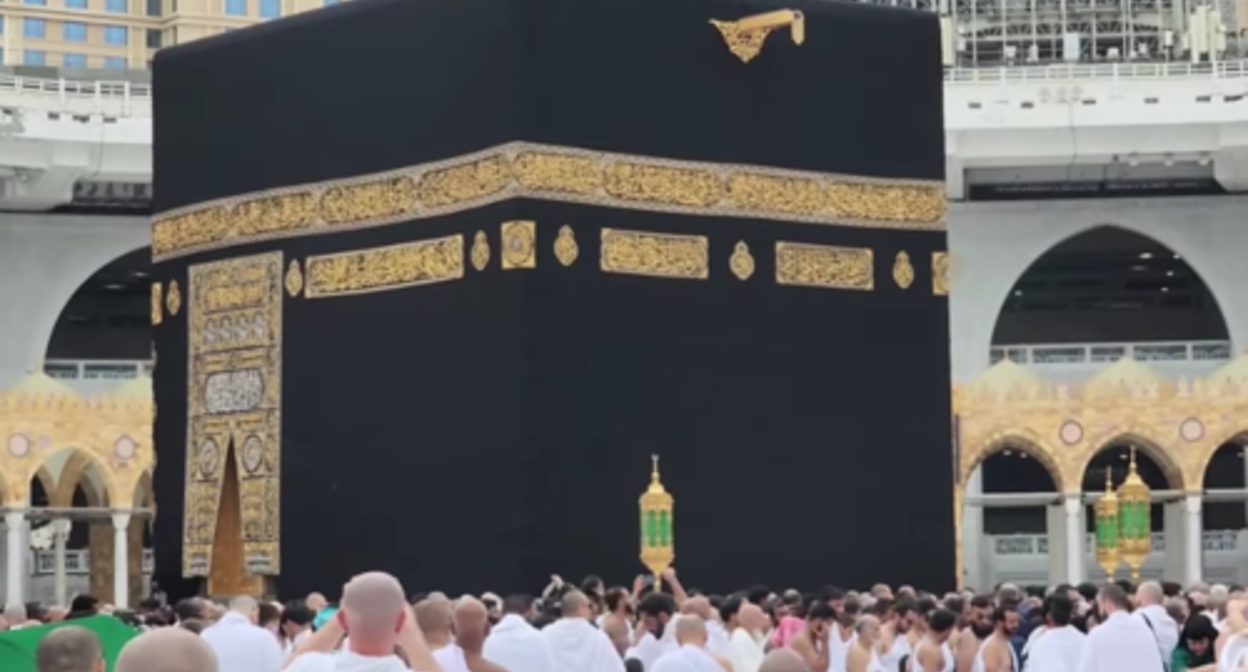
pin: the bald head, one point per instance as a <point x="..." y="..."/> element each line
<point x="697" y="606"/>
<point x="691" y="629"/>
<point x="167" y="650"/>
<point x="752" y="618"/>
<point x="70" y="649"/>
<point x="1149" y="593"/>
<point x="472" y="623"/>
<point x="247" y="606"/>
<point x="433" y="616"/>
<point x="782" y="660"/>
<point x="575" y="605"/>
<point x="373" y="604"/>
<point x="315" y="602"/>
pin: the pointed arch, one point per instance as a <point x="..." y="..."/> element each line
<point x="1020" y="441"/>
<point x="1088" y="274"/>
<point x="1146" y="446"/>
<point x="75" y="473"/>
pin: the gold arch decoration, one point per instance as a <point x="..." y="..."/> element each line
<point x="111" y="433"/>
<point x="1179" y="424"/>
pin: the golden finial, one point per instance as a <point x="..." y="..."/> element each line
<point x="656" y="486"/>
<point x="1109" y="480"/>
<point x="1133" y="474"/>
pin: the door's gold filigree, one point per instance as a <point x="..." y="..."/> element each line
<point x="566" y="249"/>
<point x="741" y="263"/>
<point x="940" y="273"/>
<point x="519" y="245"/>
<point x="294" y="279"/>
<point x="158" y="304"/>
<point x="745" y="38"/>
<point x="378" y="269"/>
<point x="826" y="266"/>
<point x="660" y="255"/>
<point x="173" y="299"/>
<point x="903" y="271"/>
<point x="480" y="251"/>
<point x="234" y="318"/>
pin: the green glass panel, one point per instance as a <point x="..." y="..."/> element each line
<point x="1144" y="518"/>
<point x="652" y="529"/>
<point x="1100" y="532"/>
<point x="1111" y="533"/>
<point x="665" y="529"/>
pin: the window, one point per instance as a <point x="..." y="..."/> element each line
<point x="270" y="9"/>
<point x="75" y="60"/>
<point x="153" y="38"/>
<point x="331" y="2"/>
<point x="35" y="28"/>
<point x="75" y="4"/>
<point x="154" y="8"/>
<point x="115" y="62"/>
<point x="31" y="57"/>
<point x="36" y="3"/>
<point x="115" y="35"/>
<point x="72" y="31"/>
<point x="117" y="6"/>
<point x="236" y="7"/>
<point x="1" y="31"/>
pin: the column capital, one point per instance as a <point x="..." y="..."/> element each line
<point x="1193" y="503"/>
<point x="1073" y="503"/>
<point x="15" y="519"/>
<point x="61" y="526"/>
<point x="121" y="520"/>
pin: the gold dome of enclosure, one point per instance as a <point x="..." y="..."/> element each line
<point x="41" y="417"/>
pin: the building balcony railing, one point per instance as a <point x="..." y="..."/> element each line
<point x="77" y="562"/>
<point x="1215" y="541"/>
<point x="116" y="99"/>
<point x="103" y="370"/>
<point x="1020" y="74"/>
<point x="1108" y="353"/>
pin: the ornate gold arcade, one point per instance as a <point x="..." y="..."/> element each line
<point x="745" y="37"/>
<point x="234" y="411"/>
<point x="526" y="170"/>
<point x="1179" y="424"/>
<point x="110" y="435"/>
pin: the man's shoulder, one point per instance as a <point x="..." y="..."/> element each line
<point x="312" y="662"/>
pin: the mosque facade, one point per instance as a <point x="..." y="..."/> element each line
<point x="1098" y="326"/>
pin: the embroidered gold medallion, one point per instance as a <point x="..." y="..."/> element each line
<point x="480" y="251"/>
<point x="173" y="298"/>
<point x="294" y="279"/>
<point x="903" y="272"/>
<point x="566" y="249"/>
<point x="741" y="262"/>
<point x="519" y="245"/>
<point x="158" y="304"/>
<point x="940" y="273"/>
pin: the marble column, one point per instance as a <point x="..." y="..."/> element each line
<point x="973" y="532"/>
<point x="60" y="532"/>
<point x="1194" y="541"/>
<point x="121" y="560"/>
<point x="1074" y="514"/>
<point x="1174" y="530"/>
<point x="15" y="569"/>
<point x="1055" y="527"/>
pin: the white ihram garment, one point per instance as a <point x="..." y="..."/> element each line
<point x="577" y="646"/>
<point x="517" y="646"/>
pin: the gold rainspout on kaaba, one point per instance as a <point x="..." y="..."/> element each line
<point x="428" y="297"/>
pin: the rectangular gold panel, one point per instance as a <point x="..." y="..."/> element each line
<point x="234" y="314"/>
<point x="380" y="269"/>
<point x="658" y="255"/>
<point x="825" y="266"/>
<point x="940" y="273"/>
<point x="519" y="245"/>
<point x="158" y="304"/>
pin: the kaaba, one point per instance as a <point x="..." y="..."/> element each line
<point x="434" y="279"/>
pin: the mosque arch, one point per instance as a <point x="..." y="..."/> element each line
<point x="85" y="469"/>
<point x="1109" y="283"/>
<point x="144" y="493"/>
<point x="107" y="315"/>
<point x="1024" y="442"/>
<point x="1148" y="451"/>
<point x="1225" y="470"/>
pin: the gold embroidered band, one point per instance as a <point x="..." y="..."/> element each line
<point x="662" y="255"/>
<point x="825" y="266"/>
<point x="378" y="269"/>
<point x="550" y="173"/>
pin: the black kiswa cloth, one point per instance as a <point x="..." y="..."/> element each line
<point x="413" y="81"/>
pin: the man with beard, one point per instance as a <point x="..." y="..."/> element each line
<point x="1059" y="645"/>
<point x="895" y="642"/>
<point x="976" y="628"/>
<point x="656" y="611"/>
<point x="997" y="653"/>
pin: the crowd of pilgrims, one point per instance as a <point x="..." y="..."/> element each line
<point x="374" y="627"/>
